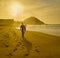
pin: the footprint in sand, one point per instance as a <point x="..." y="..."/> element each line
<point x="37" y="49"/>
<point x="6" y="45"/>
<point x="10" y="54"/>
<point x="15" y="49"/>
<point x="18" y="44"/>
<point x="26" y="54"/>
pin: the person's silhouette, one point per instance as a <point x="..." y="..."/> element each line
<point x="23" y="29"/>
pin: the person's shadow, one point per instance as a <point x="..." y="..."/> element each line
<point x="27" y="44"/>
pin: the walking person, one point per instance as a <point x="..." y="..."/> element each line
<point x="23" y="29"/>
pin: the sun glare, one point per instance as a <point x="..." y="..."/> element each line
<point x="15" y="9"/>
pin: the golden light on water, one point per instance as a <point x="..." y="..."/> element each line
<point x="15" y="9"/>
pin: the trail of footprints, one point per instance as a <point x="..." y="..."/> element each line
<point x="18" y="45"/>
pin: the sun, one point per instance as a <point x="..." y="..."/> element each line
<point x="15" y="9"/>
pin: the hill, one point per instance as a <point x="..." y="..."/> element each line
<point x="33" y="20"/>
<point x="6" y="22"/>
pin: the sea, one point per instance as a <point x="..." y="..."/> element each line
<point x="52" y="29"/>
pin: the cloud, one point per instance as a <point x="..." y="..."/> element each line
<point x="47" y="9"/>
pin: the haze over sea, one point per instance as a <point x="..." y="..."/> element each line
<point x="53" y="29"/>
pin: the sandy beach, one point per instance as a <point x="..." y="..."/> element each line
<point x="33" y="45"/>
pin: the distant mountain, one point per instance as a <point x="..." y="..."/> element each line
<point x="33" y="20"/>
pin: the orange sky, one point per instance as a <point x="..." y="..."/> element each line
<point x="46" y="10"/>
